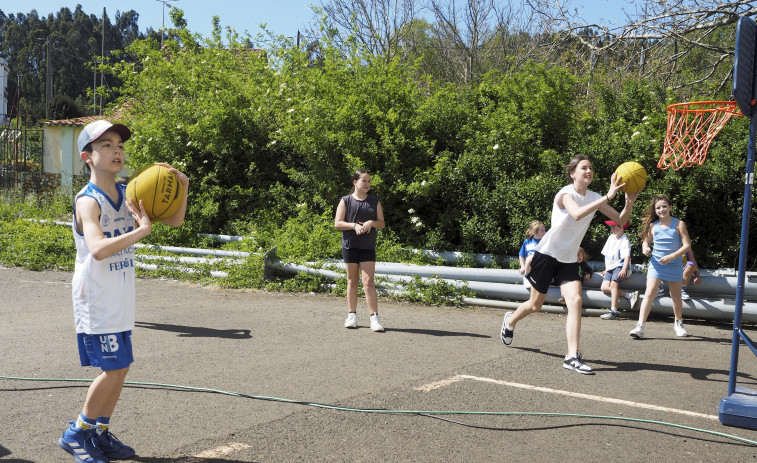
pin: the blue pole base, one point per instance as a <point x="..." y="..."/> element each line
<point x="739" y="409"/>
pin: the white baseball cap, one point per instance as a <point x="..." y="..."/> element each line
<point x="94" y="130"/>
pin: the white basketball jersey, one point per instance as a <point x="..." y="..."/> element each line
<point x="104" y="291"/>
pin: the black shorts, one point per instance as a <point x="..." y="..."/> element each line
<point x="355" y="256"/>
<point x="546" y="270"/>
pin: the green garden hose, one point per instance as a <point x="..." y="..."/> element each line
<point x="429" y="413"/>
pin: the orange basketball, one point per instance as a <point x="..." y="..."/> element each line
<point x="633" y="175"/>
<point x="158" y="188"/>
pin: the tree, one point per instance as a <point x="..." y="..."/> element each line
<point x="686" y="44"/>
<point x="379" y="25"/>
<point x="71" y="43"/>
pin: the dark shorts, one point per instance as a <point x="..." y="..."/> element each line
<point x="546" y="270"/>
<point x="111" y="351"/>
<point x="355" y="256"/>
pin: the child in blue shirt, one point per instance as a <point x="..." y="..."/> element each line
<point x="534" y="234"/>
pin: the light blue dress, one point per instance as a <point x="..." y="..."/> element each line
<point x="666" y="240"/>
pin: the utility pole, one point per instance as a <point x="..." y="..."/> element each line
<point x="102" y="60"/>
<point x="48" y="82"/>
<point x="163" y="26"/>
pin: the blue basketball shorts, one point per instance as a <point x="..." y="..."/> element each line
<point x="108" y="351"/>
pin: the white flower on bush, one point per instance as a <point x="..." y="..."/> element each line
<point x="635" y="133"/>
<point x="411" y="211"/>
<point x="496" y="146"/>
<point x="416" y="221"/>
<point x="291" y="110"/>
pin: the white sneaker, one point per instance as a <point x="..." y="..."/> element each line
<point x="633" y="299"/>
<point x="611" y="315"/>
<point x="638" y="332"/>
<point x="577" y="364"/>
<point x="679" y="329"/>
<point x="684" y="295"/>
<point x="351" y="321"/>
<point x="375" y="323"/>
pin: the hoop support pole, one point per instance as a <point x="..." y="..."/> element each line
<point x="742" y="256"/>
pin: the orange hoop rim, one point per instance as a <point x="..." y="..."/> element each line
<point x="706" y="107"/>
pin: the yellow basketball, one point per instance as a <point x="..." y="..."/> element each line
<point x="158" y="188"/>
<point x="633" y="175"/>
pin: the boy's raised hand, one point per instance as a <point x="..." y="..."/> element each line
<point x="140" y="215"/>
<point x="183" y="179"/>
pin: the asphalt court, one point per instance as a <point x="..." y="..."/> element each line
<point x="518" y="403"/>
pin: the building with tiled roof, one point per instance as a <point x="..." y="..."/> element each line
<point x="61" y="152"/>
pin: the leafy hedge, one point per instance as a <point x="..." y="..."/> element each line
<point x="270" y="141"/>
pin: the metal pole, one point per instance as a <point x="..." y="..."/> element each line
<point x="102" y="60"/>
<point x="48" y="83"/>
<point x="749" y="178"/>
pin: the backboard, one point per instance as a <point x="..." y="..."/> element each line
<point x="744" y="70"/>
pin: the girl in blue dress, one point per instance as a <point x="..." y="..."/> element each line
<point x="671" y="241"/>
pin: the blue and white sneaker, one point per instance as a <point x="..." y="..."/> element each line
<point x="113" y="448"/>
<point x="82" y="446"/>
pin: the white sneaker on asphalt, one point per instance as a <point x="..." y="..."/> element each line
<point x="506" y="334"/>
<point x="351" y="321"/>
<point x="638" y="332"/>
<point x="611" y="315"/>
<point x="577" y="364"/>
<point x="679" y="329"/>
<point x="375" y="323"/>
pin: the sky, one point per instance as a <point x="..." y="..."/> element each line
<point x="283" y="17"/>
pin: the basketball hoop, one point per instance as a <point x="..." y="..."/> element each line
<point x="691" y="129"/>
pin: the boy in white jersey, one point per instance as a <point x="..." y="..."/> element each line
<point x="106" y="226"/>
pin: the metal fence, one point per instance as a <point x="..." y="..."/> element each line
<point x="20" y="151"/>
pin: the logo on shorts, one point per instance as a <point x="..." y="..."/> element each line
<point x="108" y="343"/>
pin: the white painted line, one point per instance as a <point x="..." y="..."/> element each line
<point x="217" y="452"/>
<point x="454" y="379"/>
<point x="436" y="385"/>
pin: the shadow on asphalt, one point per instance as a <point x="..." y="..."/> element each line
<point x="696" y="373"/>
<point x="196" y="331"/>
<point x="5" y="452"/>
<point x="437" y="332"/>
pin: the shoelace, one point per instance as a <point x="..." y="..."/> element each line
<point x="112" y="441"/>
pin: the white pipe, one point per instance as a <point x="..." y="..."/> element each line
<point x="720" y="309"/>
<point x="153" y="267"/>
<point x="196" y="251"/>
<point x="710" y="286"/>
<point x="191" y="260"/>
<point x="223" y="238"/>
